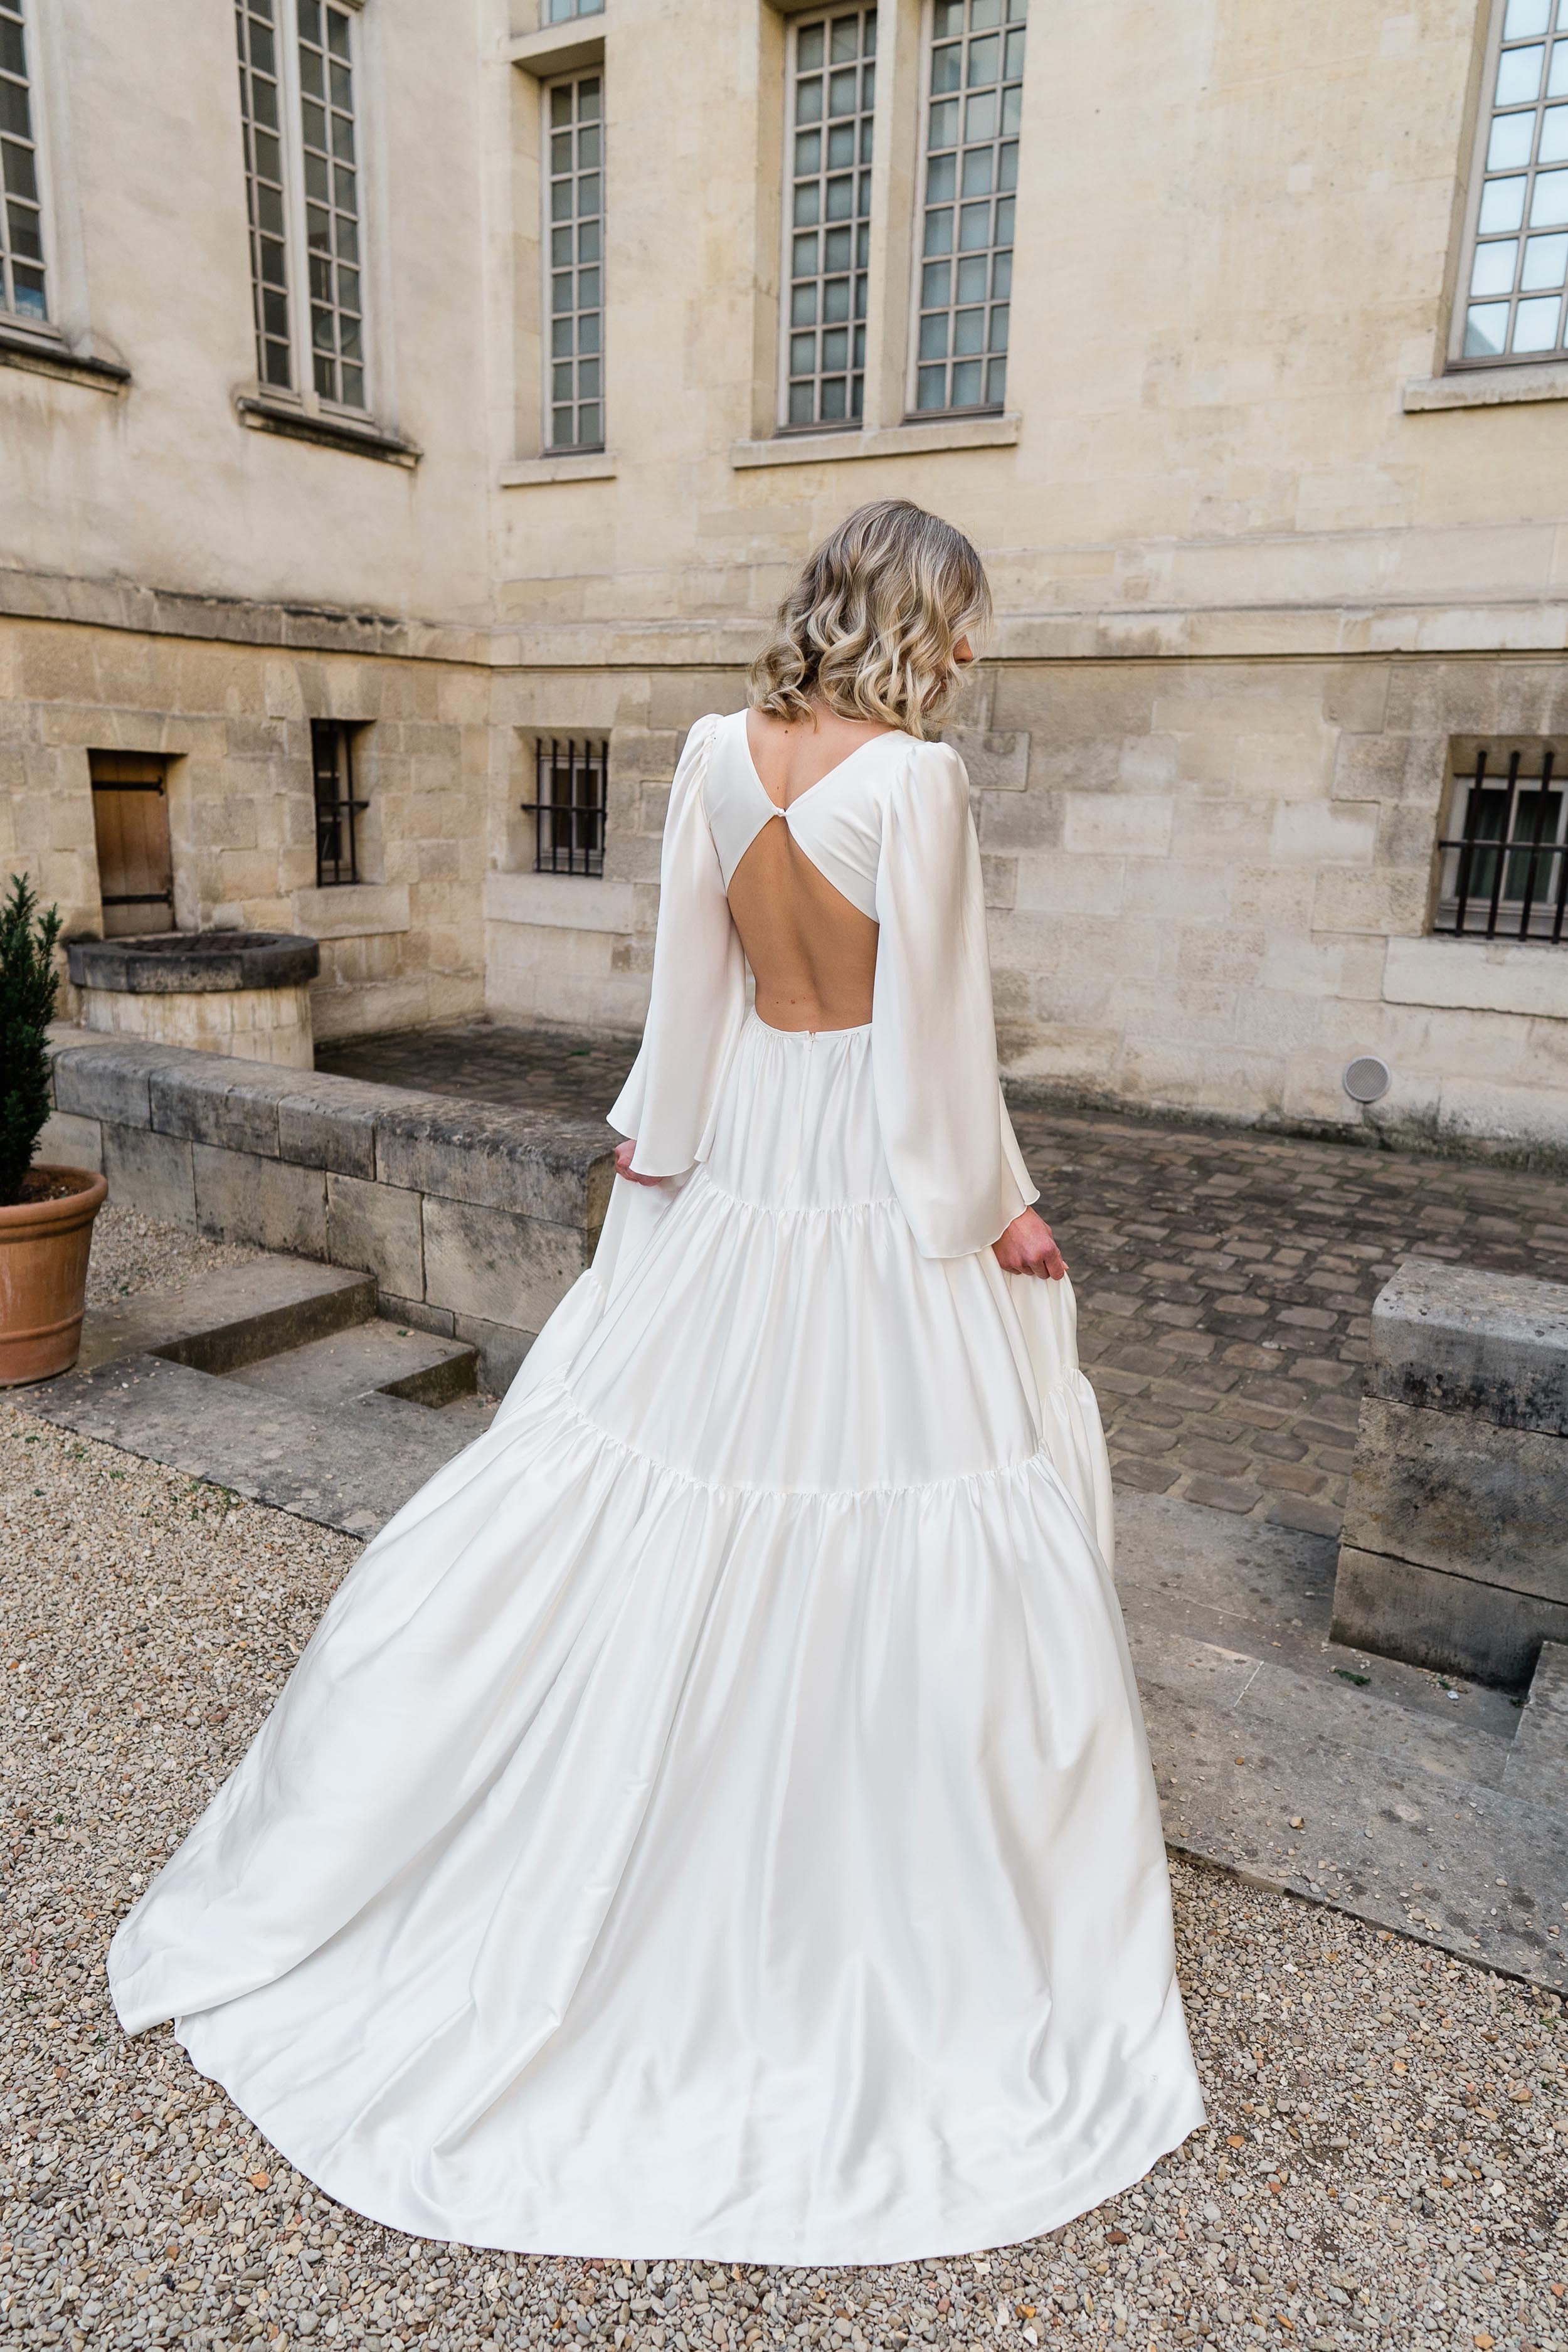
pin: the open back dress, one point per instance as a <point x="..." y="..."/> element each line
<point x="714" y="1816"/>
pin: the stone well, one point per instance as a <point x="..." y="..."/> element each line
<point x="242" y="993"/>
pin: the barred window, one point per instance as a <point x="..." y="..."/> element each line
<point x="575" y="229"/>
<point x="337" y="810"/>
<point x="22" y="291"/>
<point x="1511" y="305"/>
<point x="830" y="100"/>
<point x="298" y="71"/>
<point x="974" y="103"/>
<point x="570" y="791"/>
<point x="1502" y="864"/>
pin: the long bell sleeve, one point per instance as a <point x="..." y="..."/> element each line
<point x="956" y="1164"/>
<point x="697" y="1001"/>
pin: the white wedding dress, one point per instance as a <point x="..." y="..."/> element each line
<point x="714" y="1816"/>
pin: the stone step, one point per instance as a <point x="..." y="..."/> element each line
<point x="370" y="1358"/>
<point x="349" y="1466"/>
<point x="1413" y="1805"/>
<point x="1537" y="1764"/>
<point x="231" y="1318"/>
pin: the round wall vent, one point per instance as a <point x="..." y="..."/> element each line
<point x="1367" y="1080"/>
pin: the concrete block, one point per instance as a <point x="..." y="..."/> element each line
<point x="151" y="1173"/>
<point x="555" y="1169"/>
<point x="496" y="1265"/>
<point x="376" y="1226"/>
<point x="1456" y="1339"/>
<point x="1537" y="1764"/>
<point x="1448" y="1492"/>
<point x="241" y="1197"/>
<point x="1432" y="1618"/>
<point x="72" y="1142"/>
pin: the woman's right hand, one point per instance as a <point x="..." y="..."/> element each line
<point x="625" y="1153"/>
<point x="1029" y="1246"/>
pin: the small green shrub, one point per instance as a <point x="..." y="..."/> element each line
<point x="28" y="986"/>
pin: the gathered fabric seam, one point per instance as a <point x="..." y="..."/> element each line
<point x="884" y="1201"/>
<point x="1000" y="1473"/>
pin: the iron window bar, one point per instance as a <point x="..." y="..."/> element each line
<point x="1504" y="875"/>
<point x="570" y="792"/>
<point x="337" y="839"/>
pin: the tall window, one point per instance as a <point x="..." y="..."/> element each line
<point x="827" y="230"/>
<point x="570" y="781"/>
<point x="337" y="810"/>
<point x="575" y="229"/>
<point x="298" y="64"/>
<point x="21" y="218"/>
<point x="974" y="92"/>
<point x="1512" y="306"/>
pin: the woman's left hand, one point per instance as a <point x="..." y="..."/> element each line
<point x="1029" y="1246"/>
<point x="625" y="1153"/>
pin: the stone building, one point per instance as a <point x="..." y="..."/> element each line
<point x="416" y="425"/>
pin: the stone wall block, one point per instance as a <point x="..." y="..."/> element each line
<point x="151" y="1173"/>
<point x="517" y="1160"/>
<point x="210" y="1098"/>
<point x="996" y="763"/>
<point x="1459" y="1340"/>
<point x="239" y="1196"/>
<point x="502" y="1350"/>
<point x="102" y="1079"/>
<point x="1324" y="832"/>
<point x="70" y="1142"/>
<point x="329" y="1122"/>
<point x="376" y="1227"/>
<point x="1137" y="825"/>
<point x="1445" y="1491"/>
<point x="498" y="1266"/>
<point x="1450" y="1623"/>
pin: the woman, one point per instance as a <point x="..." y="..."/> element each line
<point x="714" y="1816"/>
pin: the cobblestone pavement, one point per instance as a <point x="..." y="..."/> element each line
<point x="1224" y="1276"/>
<point x="1386" y="2159"/>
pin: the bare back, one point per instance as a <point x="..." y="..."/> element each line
<point x="814" y="954"/>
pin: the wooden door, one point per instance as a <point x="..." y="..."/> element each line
<point x="131" y="826"/>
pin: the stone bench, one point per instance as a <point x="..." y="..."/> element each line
<point x="1454" y="1552"/>
<point x="473" y="1219"/>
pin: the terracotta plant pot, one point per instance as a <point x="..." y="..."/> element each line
<point x="44" y="1247"/>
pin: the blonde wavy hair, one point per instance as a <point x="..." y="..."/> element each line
<point x="870" y="626"/>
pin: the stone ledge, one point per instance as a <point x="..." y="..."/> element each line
<point x="531" y="473"/>
<point x="327" y="432"/>
<point x="1454" y="1340"/>
<point x="41" y="357"/>
<point x="1500" y="387"/>
<point x="911" y="439"/>
<point x="178" y="963"/>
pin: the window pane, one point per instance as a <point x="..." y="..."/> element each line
<point x="573" y="191"/>
<point x="332" y="187"/>
<point x="1535" y="324"/>
<point x="1508" y="147"/>
<point x="1553" y="147"/>
<point x="1493" y="271"/>
<point x="1502" y="205"/>
<point x="824" y="376"/>
<point x="1486" y="330"/>
<point x="1548" y="199"/>
<point x="1523" y="17"/>
<point x="1544" y="260"/>
<point x="260" y="105"/>
<point x="1519" y="75"/>
<point x="970" y="53"/>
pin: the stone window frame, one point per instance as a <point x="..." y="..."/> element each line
<point x="583" y="269"/>
<point x="805" y="296"/>
<point x="1485" y="232"/>
<point x="23" y="158"/>
<point x="346" y="413"/>
<point x="1515" y="881"/>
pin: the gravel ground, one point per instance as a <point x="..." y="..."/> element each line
<point x="1388" y="2161"/>
<point x="132" y="1253"/>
